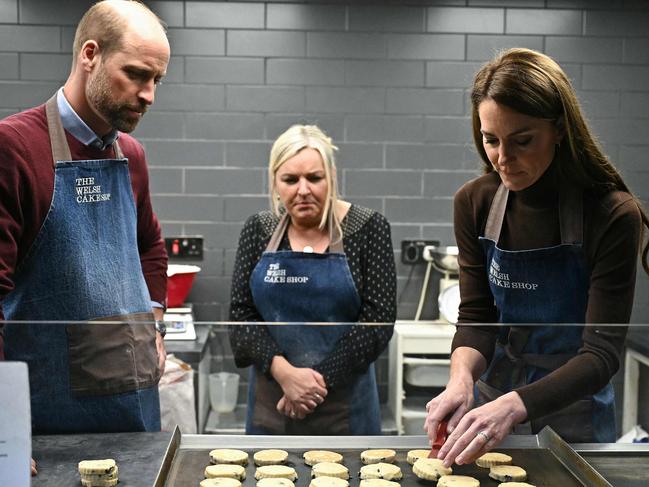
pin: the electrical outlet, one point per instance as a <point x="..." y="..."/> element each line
<point x="412" y="251"/>
<point x="184" y="247"/>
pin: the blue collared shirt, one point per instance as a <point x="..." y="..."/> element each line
<point x="78" y="128"/>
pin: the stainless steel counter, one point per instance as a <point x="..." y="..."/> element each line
<point x="140" y="455"/>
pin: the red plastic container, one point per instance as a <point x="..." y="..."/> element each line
<point x="179" y="282"/>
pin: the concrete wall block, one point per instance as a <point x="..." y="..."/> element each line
<point x="385" y="18"/>
<point x="425" y="101"/>
<point x="224" y="235"/>
<point x="448" y="130"/>
<point x="345" y="100"/>
<point x="419" y="209"/>
<point x="445" y="183"/>
<point x="67" y="39"/>
<point x="228" y="261"/>
<point x="616" y="23"/>
<point x="165" y="180"/>
<point x="599" y="104"/>
<point x="346" y="45"/>
<point x="190" y="98"/>
<point x="306" y="17"/>
<point x="484" y="47"/>
<point x="209" y="289"/>
<point x="426" y="46"/>
<point x="48" y="12"/>
<point x="615" y="77"/>
<point x="383" y="183"/>
<point x="385" y="128"/>
<point x="584" y="49"/>
<point x="184" y="152"/>
<point x="196" y="42"/>
<point x="225" y="15"/>
<point x="159" y="124"/>
<point x="632" y="158"/>
<point x="636" y="51"/>
<point x="359" y="155"/>
<point x="305" y="72"/>
<point x="265" y="99"/>
<point x="332" y="124"/>
<point x="639" y="183"/>
<point x="225" y="126"/>
<point x="29" y="38"/>
<point x="9" y="66"/>
<point x="635" y="105"/>
<point x="266" y="43"/>
<point x="247" y="154"/>
<point x="238" y="209"/>
<point x="544" y="22"/>
<point x="439" y="231"/>
<point x="384" y="73"/>
<point x="507" y="3"/>
<point x="224" y="181"/>
<point x="212" y="264"/>
<point x="9" y="11"/>
<point x="621" y="131"/>
<point x="188" y="208"/>
<point x="171" y="13"/>
<point x="431" y="156"/>
<point x="450" y="74"/>
<point x="21" y="95"/>
<point x="55" y="67"/>
<point x="224" y="70"/>
<point x="175" y="70"/>
<point x="465" y="20"/>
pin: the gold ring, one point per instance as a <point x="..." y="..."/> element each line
<point x="485" y="435"/>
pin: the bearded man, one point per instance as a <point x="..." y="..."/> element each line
<point x="79" y="240"/>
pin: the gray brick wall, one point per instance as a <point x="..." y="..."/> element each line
<point x="387" y="81"/>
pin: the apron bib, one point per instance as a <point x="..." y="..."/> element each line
<point x="84" y="265"/>
<point x="546" y="285"/>
<point x="298" y="287"/>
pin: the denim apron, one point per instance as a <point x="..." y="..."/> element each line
<point x="84" y="265"/>
<point x="545" y="285"/>
<point x="298" y="287"/>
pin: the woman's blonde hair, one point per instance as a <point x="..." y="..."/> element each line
<point x="287" y="145"/>
<point x="533" y="84"/>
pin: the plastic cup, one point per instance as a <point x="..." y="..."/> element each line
<point x="224" y="389"/>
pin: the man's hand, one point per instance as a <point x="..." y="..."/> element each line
<point x="158" y="315"/>
<point x="162" y="353"/>
<point x="34" y="471"/>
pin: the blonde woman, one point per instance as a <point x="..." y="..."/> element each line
<point x="549" y="235"/>
<point x="313" y="258"/>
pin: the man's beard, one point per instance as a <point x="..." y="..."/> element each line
<point x="117" y="114"/>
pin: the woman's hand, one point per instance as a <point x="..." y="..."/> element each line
<point x="300" y="385"/>
<point x="294" y="410"/>
<point x="34" y="471"/>
<point x="482" y="429"/>
<point x="452" y="403"/>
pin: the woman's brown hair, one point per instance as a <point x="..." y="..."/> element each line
<point x="534" y="84"/>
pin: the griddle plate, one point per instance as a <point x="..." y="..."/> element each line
<point x="543" y="468"/>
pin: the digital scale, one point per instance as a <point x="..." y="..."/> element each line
<point x="180" y="324"/>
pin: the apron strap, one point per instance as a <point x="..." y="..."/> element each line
<point x="58" y="142"/>
<point x="60" y="148"/>
<point x="571" y="215"/>
<point x="273" y="244"/>
<point x="496" y="214"/>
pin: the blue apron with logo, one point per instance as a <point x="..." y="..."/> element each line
<point x="545" y="285"/>
<point x="84" y="265"/>
<point x="302" y="287"/>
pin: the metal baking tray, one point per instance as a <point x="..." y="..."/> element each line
<point x="548" y="460"/>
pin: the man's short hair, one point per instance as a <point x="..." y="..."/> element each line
<point x="106" y="25"/>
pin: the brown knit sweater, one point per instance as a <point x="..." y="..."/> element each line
<point x="612" y="229"/>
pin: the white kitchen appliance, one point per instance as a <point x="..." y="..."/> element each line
<point x="444" y="260"/>
<point x="180" y="324"/>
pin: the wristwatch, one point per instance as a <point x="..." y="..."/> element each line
<point x="161" y="328"/>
